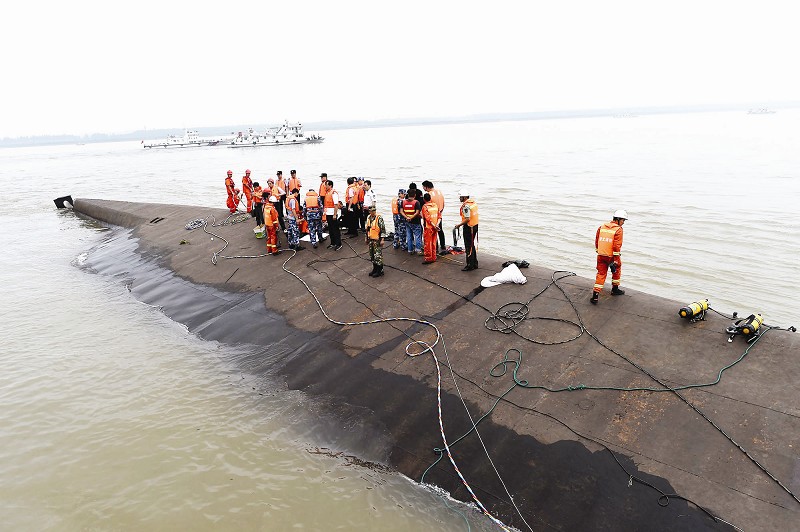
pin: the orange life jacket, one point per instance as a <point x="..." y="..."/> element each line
<point x="329" y="199"/>
<point x="247" y="185"/>
<point x="361" y="194"/>
<point x="351" y="195"/>
<point x="312" y="200"/>
<point x="395" y="209"/>
<point x="409" y="207"/>
<point x="294" y="183"/>
<point x="430" y="212"/>
<point x="609" y="239"/>
<point x="289" y="208"/>
<point x="322" y="188"/>
<point x="229" y="185"/>
<point x="277" y="189"/>
<point x="258" y="195"/>
<point x="472" y="221"/>
<point x="374" y="230"/>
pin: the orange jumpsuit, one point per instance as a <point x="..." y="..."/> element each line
<point x="233" y="200"/>
<point x="247" y="188"/>
<point x="608" y="243"/>
<point x="271" y="221"/>
<point x="430" y="215"/>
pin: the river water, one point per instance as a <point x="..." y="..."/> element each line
<point x="115" y="417"/>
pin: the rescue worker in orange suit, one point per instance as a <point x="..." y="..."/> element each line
<point x="608" y="243"/>
<point x="247" y="188"/>
<point x="258" y="201"/>
<point x="469" y="221"/>
<point x="438" y="198"/>
<point x="233" y="199"/>
<point x="271" y="221"/>
<point x="430" y="220"/>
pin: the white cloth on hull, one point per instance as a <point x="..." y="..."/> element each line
<point x="509" y="274"/>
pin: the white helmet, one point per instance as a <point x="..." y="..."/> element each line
<point x="621" y="214"/>
<point x="273" y="199"/>
<point x="463" y="193"/>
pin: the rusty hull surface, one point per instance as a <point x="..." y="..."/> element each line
<point x="548" y="447"/>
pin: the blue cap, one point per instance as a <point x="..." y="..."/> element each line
<point x="401" y="191"/>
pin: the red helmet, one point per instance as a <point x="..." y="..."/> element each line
<point x="230" y="172"/>
<point x="247" y="171"/>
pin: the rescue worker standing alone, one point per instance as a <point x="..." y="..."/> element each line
<point x="469" y="221"/>
<point x="375" y="231"/>
<point x="608" y="243"/>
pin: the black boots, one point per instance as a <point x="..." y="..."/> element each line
<point x="374" y="270"/>
<point x="617" y="291"/>
<point x="595" y="295"/>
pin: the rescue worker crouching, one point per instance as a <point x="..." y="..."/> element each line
<point x="375" y="232"/>
<point x="608" y="244"/>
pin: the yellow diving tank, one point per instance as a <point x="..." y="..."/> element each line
<point x="693" y="309"/>
<point x="751" y="324"/>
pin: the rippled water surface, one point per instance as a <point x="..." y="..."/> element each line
<point x="115" y="417"/>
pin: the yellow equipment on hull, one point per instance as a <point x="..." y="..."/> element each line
<point x="749" y="327"/>
<point x="694" y="311"/>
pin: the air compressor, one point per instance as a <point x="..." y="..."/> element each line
<point x="750" y="327"/>
<point x="694" y="311"/>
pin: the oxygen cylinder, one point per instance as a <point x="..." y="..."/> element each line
<point x="752" y="324"/>
<point x="693" y="309"/>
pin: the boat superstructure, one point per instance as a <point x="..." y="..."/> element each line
<point x="281" y="135"/>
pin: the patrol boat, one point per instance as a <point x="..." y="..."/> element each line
<point x="189" y="139"/>
<point x="286" y="133"/>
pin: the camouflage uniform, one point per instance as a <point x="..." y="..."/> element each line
<point x="375" y="251"/>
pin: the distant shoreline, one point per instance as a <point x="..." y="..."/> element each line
<point x="153" y="134"/>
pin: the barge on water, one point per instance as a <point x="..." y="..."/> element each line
<point x="281" y="135"/>
<point x="189" y="139"/>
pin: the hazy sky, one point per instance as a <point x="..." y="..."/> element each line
<point x="118" y="66"/>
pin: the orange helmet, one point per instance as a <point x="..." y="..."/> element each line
<point x="230" y="172"/>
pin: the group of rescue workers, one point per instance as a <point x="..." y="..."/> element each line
<point x="416" y="216"/>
